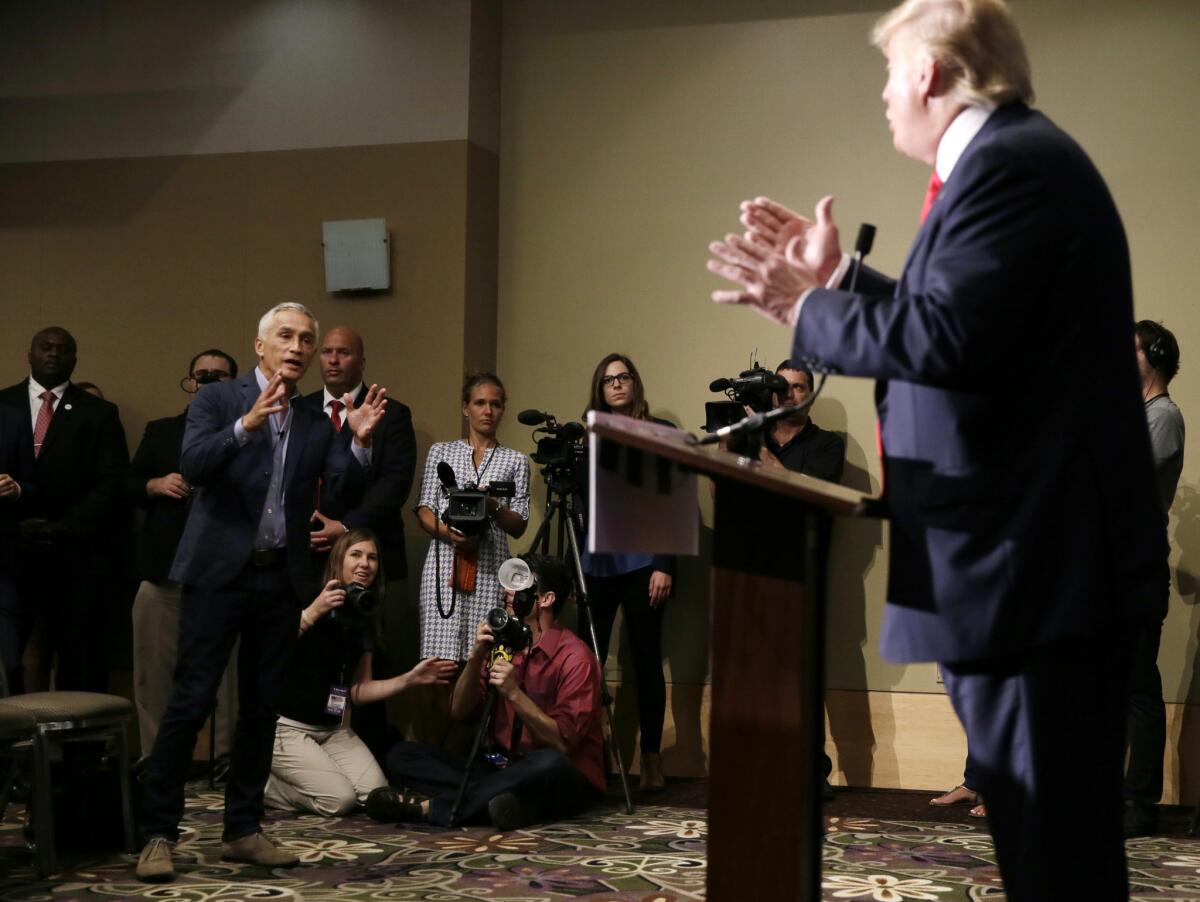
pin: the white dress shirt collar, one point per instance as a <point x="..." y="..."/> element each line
<point x="36" y="389"/>
<point x="330" y="398"/>
<point x="958" y="135"/>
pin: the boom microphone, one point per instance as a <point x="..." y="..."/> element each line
<point x="532" y="417"/>
<point x="446" y="475"/>
<point x="720" y="384"/>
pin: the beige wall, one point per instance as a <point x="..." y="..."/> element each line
<point x="631" y="133"/>
<point x="183" y="157"/>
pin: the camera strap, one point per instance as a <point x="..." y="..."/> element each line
<point x="487" y="462"/>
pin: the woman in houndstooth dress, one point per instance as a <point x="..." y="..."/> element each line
<point x="449" y="617"/>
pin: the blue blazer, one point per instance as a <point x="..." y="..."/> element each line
<point x="1019" y="477"/>
<point x="232" y="482"/>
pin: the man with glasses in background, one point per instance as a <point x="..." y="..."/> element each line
<point x="156" y="486"/>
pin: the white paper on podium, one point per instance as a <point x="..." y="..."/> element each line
<point x="640" y="518"/>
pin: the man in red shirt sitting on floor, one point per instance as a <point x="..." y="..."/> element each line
<point x="545" y="757"/>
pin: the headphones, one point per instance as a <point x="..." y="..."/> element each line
<point x="1157" y="352"/>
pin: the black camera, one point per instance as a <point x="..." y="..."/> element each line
<point x="360" y="603"/>
<point x="753" y="388"/>
<point x="466" y="508"/>
<point x="508" y="630"/>
<point x="561" y="445"/>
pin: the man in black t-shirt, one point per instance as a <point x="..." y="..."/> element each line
<point x="796" y="442"/>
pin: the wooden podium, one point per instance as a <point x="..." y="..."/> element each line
<point x="768" y="636"/>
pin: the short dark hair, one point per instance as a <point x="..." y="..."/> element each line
<point x="476" y="379"/>
<point x="552" y="576"/>
<point x="788" y="365"/>
<point x="214" y="352"/>
<point x="1160" y="347"/>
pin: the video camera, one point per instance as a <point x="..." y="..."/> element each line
<point x="561" y="444"/>
<point x="466" y="508"/>
<point x="753" y="388"/>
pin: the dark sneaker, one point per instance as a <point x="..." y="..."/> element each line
<point x="257" y="849"/>
<point x="393" y="807"/>
<point x="154" y="864"/>
<point x="509" y="812"/>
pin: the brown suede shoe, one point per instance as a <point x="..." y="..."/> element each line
<point x="154" y="864"/>
<point x="257" y="849"/>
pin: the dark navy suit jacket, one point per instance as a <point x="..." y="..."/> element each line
<point x="393" y="463"/>
<point x="1019" y="476"/>
<point x="232" y="484"/>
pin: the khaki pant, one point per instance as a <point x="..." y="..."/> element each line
<point x="155" y="650"/>
<point x="325" y="771"/>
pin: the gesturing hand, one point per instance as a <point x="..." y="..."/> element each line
<point x="366" y="416"/>
<point x="814" y="243"/>
<point x="771" y="283"/>
<point x="269" y="402"/>
<point x="432" y="672"/>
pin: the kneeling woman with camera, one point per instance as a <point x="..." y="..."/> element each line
<point x="319" y="764"/>
<point x="459" y="584"/>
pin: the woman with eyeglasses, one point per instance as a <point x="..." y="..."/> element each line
<point x="459" y="584"/>
<point x="638" y="584"/>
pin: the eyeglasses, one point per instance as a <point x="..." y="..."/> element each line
<point x="204" y="377"/>
<point x="618" y="379"/>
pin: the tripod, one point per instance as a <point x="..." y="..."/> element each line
<point x="562" y="509"/>
<point x="489" y="705"/>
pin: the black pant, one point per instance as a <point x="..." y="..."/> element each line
<point x="544" y="779"/>
<point x="1147" y="721"/>
<point x="631" y="593"/>
<point x="259" y="607"/>
<point x="1046" y="732"/>
<point x="64" y="586"/>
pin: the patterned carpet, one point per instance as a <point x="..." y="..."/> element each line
<point x="881" y="847"/>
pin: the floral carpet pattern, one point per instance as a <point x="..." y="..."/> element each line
<point x="656" y="854"/>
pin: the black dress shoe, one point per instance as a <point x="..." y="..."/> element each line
<point x="1140" y="819"/>
<point x="392" y="807"/>
<point x="509" y="811"/>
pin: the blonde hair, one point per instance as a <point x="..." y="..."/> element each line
<point x="975" y="43"/>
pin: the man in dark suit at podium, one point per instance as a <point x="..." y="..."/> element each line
<point x="1026" y="550"/>
<point x="65" y="552"/>
<point x="393" y="462"/>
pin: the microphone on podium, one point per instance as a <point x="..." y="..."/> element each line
<point x="862" y="247"/>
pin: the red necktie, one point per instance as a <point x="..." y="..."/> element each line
<point x="335" y="407"/>
<point x="931" y="193"/>
<point x="45" y="415"/>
